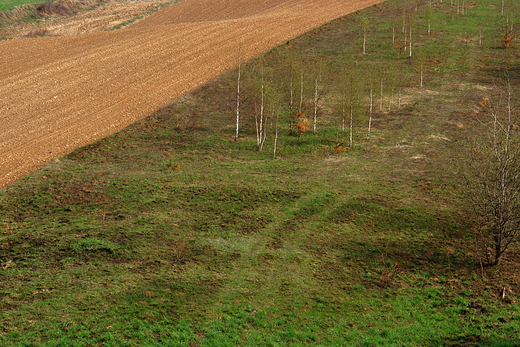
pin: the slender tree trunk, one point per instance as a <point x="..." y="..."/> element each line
<point x="498" y="249"/>
<point x="421" y="75"/>
<point x="261" y="126"/>
<point x="391" y="100"/>
<point x="365" y="24"/>
<point x="370" y="113"/>
<point x="364" y="41"/>
<point x="275" y="135"/>
<point x="315" y="114"/>
<point x="291" y="94"/>
<point x="351" y="124"/>
<point x="497" y="260"/>
<point x="343" y="106"/>
<point x="238" y="101"/>
<point x="404" y="24"/>
<point x="405" y="41"/>
<point x="291" y="105"/>
<point x="381" y="98"/>
<point x="509" y="110"/>
<point x="300" y="108"/>
<point x="410" y="39"/>
<point x="260" y="120"/>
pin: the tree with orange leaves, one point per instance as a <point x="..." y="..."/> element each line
<point x="507" y="38"/>
<point x="302" y="123"/>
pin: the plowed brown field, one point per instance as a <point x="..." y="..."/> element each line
<point x="58" y="93"/>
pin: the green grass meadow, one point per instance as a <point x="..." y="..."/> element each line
<point x="10" y="4"/>
<point x="170" y="233"/>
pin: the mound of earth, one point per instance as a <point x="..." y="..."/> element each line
<point x="58" y="93"/>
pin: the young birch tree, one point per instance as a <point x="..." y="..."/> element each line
<point x="261" y="118"/>
<point x="276" y="96"/>
<point x="342" y="103"/>
<point x="430" y="14"/>
<point x="370" y="110"/>
<point x="410" y="41"/>
<point x="287" y="80"/>
<point x="238" y="90"/>
<point x="260" y="113"/>
<point x="277" y="117"/>
<point x="317" y="96"/>
<point x="349" y="101"/>
<point x="315" y="104"/>
<point x="365" y="25"/>
<point x="318" y="73"/>
<point x="302" y="83"/>
<point x="381" y="88"/>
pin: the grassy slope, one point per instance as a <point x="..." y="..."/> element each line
<point x="13" y="11"/>
<point x="10" y="4"/>
<point x="14" y="15"/>
<point x="169" y="233"/>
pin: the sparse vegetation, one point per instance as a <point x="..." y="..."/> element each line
<point x="15" y="11"/>
<point x="11" y="4"/>
<point x="171" y="233"/>
<point x="15" y="18"/>
<point x="493" y="176"/>
<point x="39" y="8"/>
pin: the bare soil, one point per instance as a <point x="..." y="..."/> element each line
<point x="58" y="93"/>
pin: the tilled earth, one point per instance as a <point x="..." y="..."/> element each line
<point x="58" y="93"/>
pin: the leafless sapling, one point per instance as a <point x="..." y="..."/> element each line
<point x="493" y="177"/>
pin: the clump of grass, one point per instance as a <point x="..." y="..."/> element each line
<point x="91" y="245"/>
<point x="15" y="14"/>
<point x="13" y="11"/>
<point x="17" y="5"/>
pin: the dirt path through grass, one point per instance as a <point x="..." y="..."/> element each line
<point x="58" y="93"/>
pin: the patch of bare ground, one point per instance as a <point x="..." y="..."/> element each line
<point x="73" y="17"/>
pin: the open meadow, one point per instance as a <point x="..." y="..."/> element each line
<point x="10" y="4"/>
<point x="334" y="212"/>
